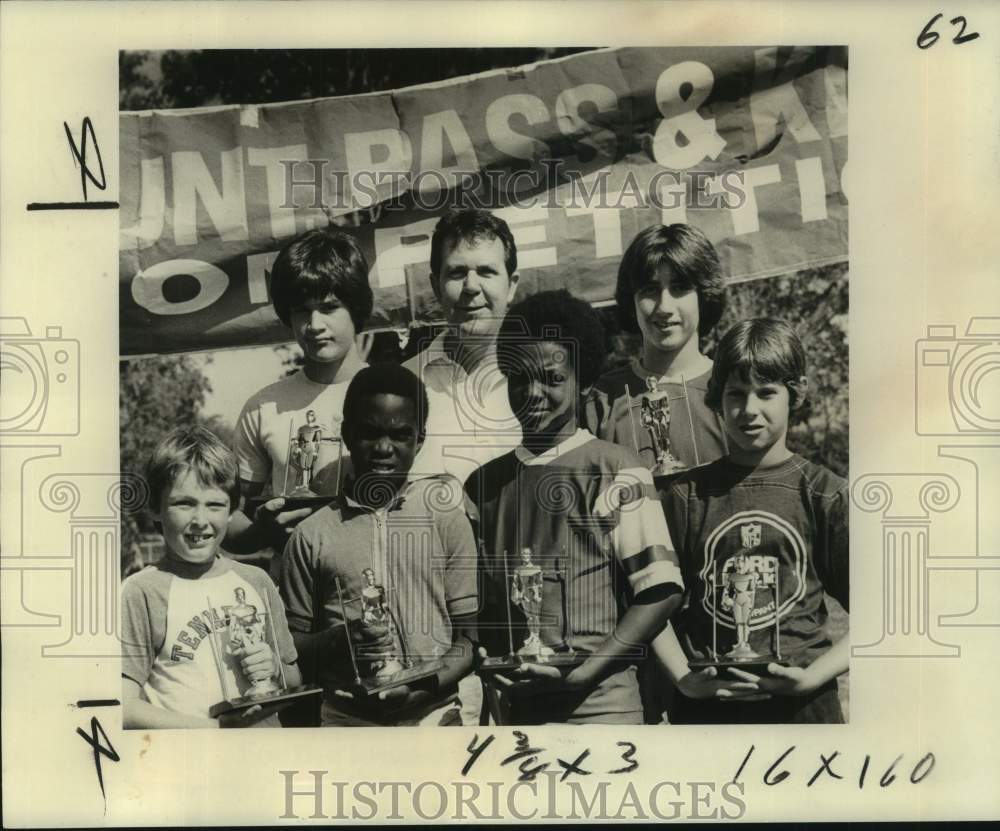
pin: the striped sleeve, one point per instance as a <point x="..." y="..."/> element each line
<point x="640" y="537"/>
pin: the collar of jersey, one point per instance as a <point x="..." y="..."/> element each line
<point x="644" y="373"/>
<point x="526" y="457"/>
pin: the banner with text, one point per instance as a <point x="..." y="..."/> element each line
<point x="577" y="154"/>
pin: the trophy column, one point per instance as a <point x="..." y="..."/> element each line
<point x="986" y="610"/>
<point x="14" y="562"/>
<point x="95" y="502"/>
<point x="905" y="501"/>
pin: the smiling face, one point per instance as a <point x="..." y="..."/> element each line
<point x="667" y="313"/>
<point x="383" y="442"/>
<point x="473" y="286"/>
<point x="194" y="517"/>
<point x="323" y="329"/>
<point x="756" y="418"/>
<point x="543" y="392"/>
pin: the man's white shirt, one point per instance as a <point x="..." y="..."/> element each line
<point x="469" y="421"/>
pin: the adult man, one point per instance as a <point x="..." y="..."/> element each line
<point x="474" y="277"/>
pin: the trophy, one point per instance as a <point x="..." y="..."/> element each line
<point x="245" y="626"/>
<point x="524" y="589"/>
<point x="746" y="582"/>
<point x="383" y="662"/>
<point x="310" y="450"/>
<point x="654" y="415"/>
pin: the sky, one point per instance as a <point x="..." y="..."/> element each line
<point x="235" y="375"/>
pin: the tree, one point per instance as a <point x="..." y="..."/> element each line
<point x="155" y="395"/>
<point x="176" y="78"/>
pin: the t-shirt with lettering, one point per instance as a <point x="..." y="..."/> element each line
<point x="175" y="631"/>
<point x="752" y="541"/>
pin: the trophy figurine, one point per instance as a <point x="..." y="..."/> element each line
<point x="740" y="589"/>
<point x="377" y="621"/>
<point x="244" y="627"/>
<point x="737" y="591"/>
<point x="525" y="591"/>
<point x="315" y="463"/>
<point x="382" y="660"/>
<point x="654" y="414"/>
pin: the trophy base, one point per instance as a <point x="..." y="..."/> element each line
<point x="292" y="502"/>
<point x="247" y="701"/>
<point x="373" y="686"/>
<point x="662" y="479"/>
<point x="757" y="664"/>
<point x="570" y="658"/>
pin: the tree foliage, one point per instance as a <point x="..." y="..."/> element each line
<point x="166" y="80"/>
<point x="155" y="395"/>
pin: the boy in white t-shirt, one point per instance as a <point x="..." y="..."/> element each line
<point x="176" y="613"/>
<point x="319" y="287"/>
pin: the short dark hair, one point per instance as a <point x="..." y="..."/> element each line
<point x="318" y="263"/>
<point x="385" y="379"/>
<point x="469" y="225"/>
<point x="195" y="449"/>
<point x="764" y="348"/>
<point x="693" y="261"/>
<point x="554" y="317"/>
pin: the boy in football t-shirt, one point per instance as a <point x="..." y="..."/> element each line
<point x="761" y="534"/>
<point x="587" y="511"/>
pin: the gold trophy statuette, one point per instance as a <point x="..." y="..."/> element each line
<point x="245" y="629"/>
<point x="745" y="583"/>
<point x="303" y="454"/>
<point x="382" y="662"/>
<point x="654" y="415"/>
<point x="524" y="588"/>
<point x="381" y="659"/>
<point x="740" y="589"/>
<point x="526" y="592"/>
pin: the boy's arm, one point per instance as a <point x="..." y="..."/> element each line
<point x="138" y="713"/>
<point x="702" y="684"/>
<point x="644" y="619"/>
<point x="270" y="526"/>
<point x="649" y="613"/>
<point x="461" y="593"/>
<point x="457" y="664"/>
<point x="782" y="680"/>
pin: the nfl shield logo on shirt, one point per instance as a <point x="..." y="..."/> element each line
<point x="750" y="534"/>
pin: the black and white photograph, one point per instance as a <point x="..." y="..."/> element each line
<point x="525" y="315"/>
<point x="615" y="385"/>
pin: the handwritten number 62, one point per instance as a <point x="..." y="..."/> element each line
<point x="928" y="37"/>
